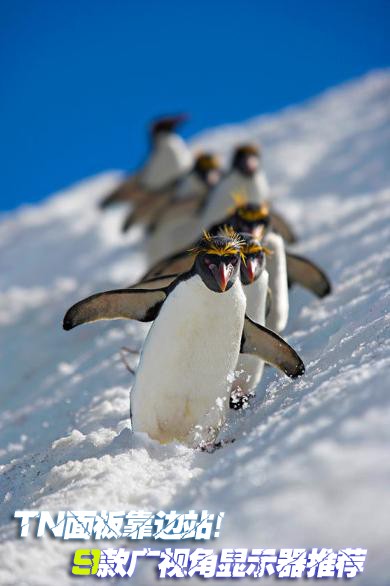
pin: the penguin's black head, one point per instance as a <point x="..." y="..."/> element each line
<point x="254" y="263"/>
<point x="252" y="218"/>
<point x="167" y="124"/>
<point x="218" y="260"/>
<point x="208" y="168"/>
<point x="246" y="159"/>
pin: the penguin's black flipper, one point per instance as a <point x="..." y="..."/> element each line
<point x="304" y="272"/>
<point x="181" y="262"/>
<point x="124" y="193"/>
<point x="271" y="348"/>
<point x="282" y="227"/>
<point x="140" y="304"/>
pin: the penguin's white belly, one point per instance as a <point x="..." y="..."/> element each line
<point x="182" y="379"/>
<point x="277" y="269"/>
<point x="255" y="189"/>
<point x="250" y="368"/>
<point x="256" y="298"/>
<point x="170" y="159"/>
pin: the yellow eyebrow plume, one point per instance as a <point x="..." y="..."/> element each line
<point x="253" y="248"/>
<point x="209" y="245"/>
<point x="253" y="214"/>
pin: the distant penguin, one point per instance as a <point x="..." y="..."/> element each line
<point x="179" y="201"/>
<point x="176" y="224"/>
<point x="168" y="161"/>
<point x="246" y="176"/>
<point x="180" y="212"/>
<point x="204" y="175"/>
<point x="181" y="390"/>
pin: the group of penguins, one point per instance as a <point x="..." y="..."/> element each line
<point x="216" y="290"/>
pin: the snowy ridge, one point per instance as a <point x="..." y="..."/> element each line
<point x="310" y="466"/>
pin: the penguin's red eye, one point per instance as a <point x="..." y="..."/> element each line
<point x="234" y="260"/>
<point x="207" y="262"/>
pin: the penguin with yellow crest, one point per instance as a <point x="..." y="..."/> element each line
<point x="181" y="390"/>
<point x="246" y="175"/>
<point x="265" y="275"/>
<point x="283" y="266"/>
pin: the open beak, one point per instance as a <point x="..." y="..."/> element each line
<point x="221" y="274"/>
<point x="251" y="265"/>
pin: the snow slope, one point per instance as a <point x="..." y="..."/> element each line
<point x="311" y="466"/>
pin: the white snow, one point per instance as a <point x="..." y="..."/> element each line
<point x="311" y="466"/>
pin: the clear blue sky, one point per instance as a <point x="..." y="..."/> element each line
<point x="80" y="79"/>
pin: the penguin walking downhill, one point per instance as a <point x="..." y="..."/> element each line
<point x="246" y="176"/>
<point x="267" y="299"/>
<point x="181" y="389"/>
<point x="169" y="160"/>
<point x="254" y="279"/>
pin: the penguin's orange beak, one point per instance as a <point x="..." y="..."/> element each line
<point x="221" y="274"/>
<point x="251" y="265"/>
